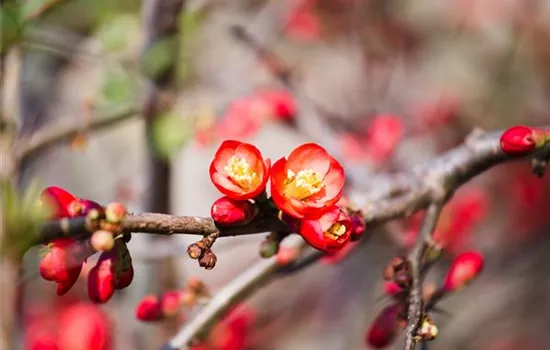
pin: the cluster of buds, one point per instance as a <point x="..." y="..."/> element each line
<point x="169" y="304"/>
<point x="305" y="190"/>
<point x="520" y="140"/>
<point x="64" y="258"/>
<point x="202" y="251"/>
<point x="398" y="281"/>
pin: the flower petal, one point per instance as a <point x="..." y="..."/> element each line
<point x="227" y="150"/>
<point x="309" y="156"/>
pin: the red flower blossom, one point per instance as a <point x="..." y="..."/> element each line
<point x="63" y="263"/>
<point x="302" y="23"/>
<point x="383" y="135"/>
<point x="227" y="211"/>
<point x="58" y="200"/>
<point x="519" y="140"/>
<point x="465" y="267"/>
<point x="171" y="302"/>
<point x="84" y="326"/>
<point x="243" y="119"/>
<point x="309" y="183"/>
<point x="328" y="233"/>
<point x="239" y="171"/>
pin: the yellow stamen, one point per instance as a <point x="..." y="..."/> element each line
<point x="335" y="231"/>
<point x="240" y="172"/>
<point x="302" y="185"/>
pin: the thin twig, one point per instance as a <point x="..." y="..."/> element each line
<point x="59" y="133"/>
<point x="415" y="296"/>
<point x="232" y="294"/>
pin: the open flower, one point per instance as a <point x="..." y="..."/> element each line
<point x="464" y="268"/>
<point x="239" y="171"/>
<point x="309" y="183"/>
<point x="58" y="200"/>
<point x="328" y="233"/>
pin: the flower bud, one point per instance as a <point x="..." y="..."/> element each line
<point x="399" y="271"/>
<point x="86" y="327"/>
<point x="102" y="241"/>
<point x="194" y="251"/>
<point x="384" y="327"/>
<point x="428" y="330"/>
<point x="171" y="303"/>
<point x="124" y="278"/>
<point x="518" y="140"/>
<point x="269" y="248"/>
<point x="102" y="278"/>
<point x="208" y="260"/>
<point x="115" y="213"/>
<point x="464" y="269"/>
<point x="149" y="309"/>
<point x="358" y="225"/>
<point x="228" y="212"/>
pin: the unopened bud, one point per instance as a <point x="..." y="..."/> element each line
<point x="465" y="267"/>
<point x="269" y="248"/>
<point x="208" y="260"/>
<point x="428" y="330"/>
<point x="399" y="271"/>
<point x="521" y="139"/>
<point x="194" y="251"/>
<point x="115" y="212"/>
<point x="102" y="241"/>
<point x="171" y="302"/>
<point x="149" y="309"/>
<point x="229" y="212"/>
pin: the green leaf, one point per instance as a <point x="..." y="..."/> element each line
<point x="23" y="214"/>
<point x="119" y="87"/>
<point x="170" y="133"/>
<point x="158" y="59"/>
<point x="118" y="32"/>
<point x="11" y="26"/>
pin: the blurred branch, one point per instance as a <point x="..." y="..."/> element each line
<point x="229" y="296"/>
<point x="53" y="134"/>
<point x="415" y="258"/>
<point x="161" y="19"/>
<point x="44" y="9"/>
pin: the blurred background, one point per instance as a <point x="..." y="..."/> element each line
<point x="383" y="85"/>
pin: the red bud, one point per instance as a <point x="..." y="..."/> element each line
<point x="227" y="212"/>
<point x="171" y="303"/>
<point x="102" y="279"/>
<point x="518" y="140"/>
<point x="124" y="278"/>
<point x="149" y="309"/>
<point x="384" y="327"/>
<point x="464" y="269"/>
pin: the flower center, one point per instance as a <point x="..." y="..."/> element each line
<point x="336" y="231"/>
<point x="302" y="185"/>
<point x="240" y="172"/>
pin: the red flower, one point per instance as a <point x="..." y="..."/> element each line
<point x="149" y="309"/>
<point x="465" y="267"/>
<point x="227" y="211"/>
<point x="63" y="263"/>
<point x="102" y="278"/>
<point x="384" y="327"/>
<point x="302" y="23"/>
<point x="239" y="171"/>
<point x="86" y="327"/>
<point x="309" y="183"/>
<point x="383" y="135"/>
<point x="328" y="233"/>
<point x="518" y="140"/>
<point x="339" y="255"/>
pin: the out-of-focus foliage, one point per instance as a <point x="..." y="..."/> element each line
<point x="22" y="213"/>
<point x="170" y="133"/>
<point x="120" y="87"/>
<point x="11" y="25"/>
<point x="118" y="32"/>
